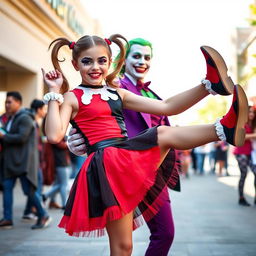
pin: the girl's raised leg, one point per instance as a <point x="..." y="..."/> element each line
<point x="230" y="128"/>
<point x="120" y="235"/>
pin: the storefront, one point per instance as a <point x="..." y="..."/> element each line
<point x="246" y="61"/>
<point x="27" y="28"/>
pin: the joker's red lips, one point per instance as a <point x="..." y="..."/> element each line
<point x="140" y="69"/>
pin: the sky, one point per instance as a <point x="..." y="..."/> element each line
<point x="177" y="29"/>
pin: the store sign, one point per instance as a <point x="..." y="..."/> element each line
<point x="66" y="12"/>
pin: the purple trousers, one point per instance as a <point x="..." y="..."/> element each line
<point x="162" y="231"/>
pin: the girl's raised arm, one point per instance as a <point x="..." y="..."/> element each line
<point x="171" y="106"/>
<point x="58" y="117"/>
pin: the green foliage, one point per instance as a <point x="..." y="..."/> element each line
<point x="252" y="20"/>
<point x="214" y="108"/>
<point x="252" y="8"/>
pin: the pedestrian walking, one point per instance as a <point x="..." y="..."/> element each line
<point x="20" y="160"/>
<point x="38" y="109"/>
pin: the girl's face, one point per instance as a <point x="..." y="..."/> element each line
<point x="93" y="65"/>
<point x="251" y="114"/>
<point x="138" y="61"/>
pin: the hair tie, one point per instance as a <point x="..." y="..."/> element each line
<point x="71" y="45"/>
<point x="107" y="41"/>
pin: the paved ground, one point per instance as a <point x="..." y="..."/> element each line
<point x="209" y="222"/>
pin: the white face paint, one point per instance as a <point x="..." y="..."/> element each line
<point x="138" y="61"/>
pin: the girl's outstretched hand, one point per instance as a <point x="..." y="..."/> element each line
<point x="53" y="79"/>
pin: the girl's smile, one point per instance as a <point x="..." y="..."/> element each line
<point x="95" y="75"/>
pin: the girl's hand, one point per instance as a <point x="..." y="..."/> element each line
<point x="53" y="79"/>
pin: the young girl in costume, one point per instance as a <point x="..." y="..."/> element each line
<point x="118" y="182"/>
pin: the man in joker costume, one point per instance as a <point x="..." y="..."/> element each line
<point x="137" y="64"/>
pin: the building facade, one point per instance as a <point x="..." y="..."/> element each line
<point x="245" y="41"/>
<point x="27" y="28"/>
<point x="246" y="61"/>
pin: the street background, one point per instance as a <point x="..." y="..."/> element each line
<point x="208" y="219"/>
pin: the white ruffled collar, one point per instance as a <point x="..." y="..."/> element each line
<point x="105" y="94"/>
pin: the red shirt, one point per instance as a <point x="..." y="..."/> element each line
<point x="246" y="149"/>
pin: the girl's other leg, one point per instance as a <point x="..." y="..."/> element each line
<point x="120" y="235"/>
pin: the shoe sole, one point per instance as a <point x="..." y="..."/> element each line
<point x="221" y="68"/>
<point x="239" y="136"/>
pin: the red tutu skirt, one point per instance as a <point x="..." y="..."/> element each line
<point x="115" y="180"/>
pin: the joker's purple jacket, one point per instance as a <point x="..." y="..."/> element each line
<point x="137" y="122"/>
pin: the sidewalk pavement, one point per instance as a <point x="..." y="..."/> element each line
<point x="208" y="219"/>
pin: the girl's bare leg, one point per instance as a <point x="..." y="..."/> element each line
<point x="186" y="137"/>
<point x="120" y="235"/>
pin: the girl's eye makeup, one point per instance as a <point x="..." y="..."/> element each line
<point x="86" y="61"/>
<point x="102" y="60"/>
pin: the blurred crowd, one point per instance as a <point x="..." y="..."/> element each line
<point x="44" y="169"/>
<point x="212" y="156"/>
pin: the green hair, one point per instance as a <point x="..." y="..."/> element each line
<point x="139" y="41"/>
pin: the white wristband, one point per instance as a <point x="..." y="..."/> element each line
<point x="53" y="96"/>
<point x="208" y="86"/>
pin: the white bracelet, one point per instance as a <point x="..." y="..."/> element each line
<point x="53" y="96"/>
<point x="208" y="86"/>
